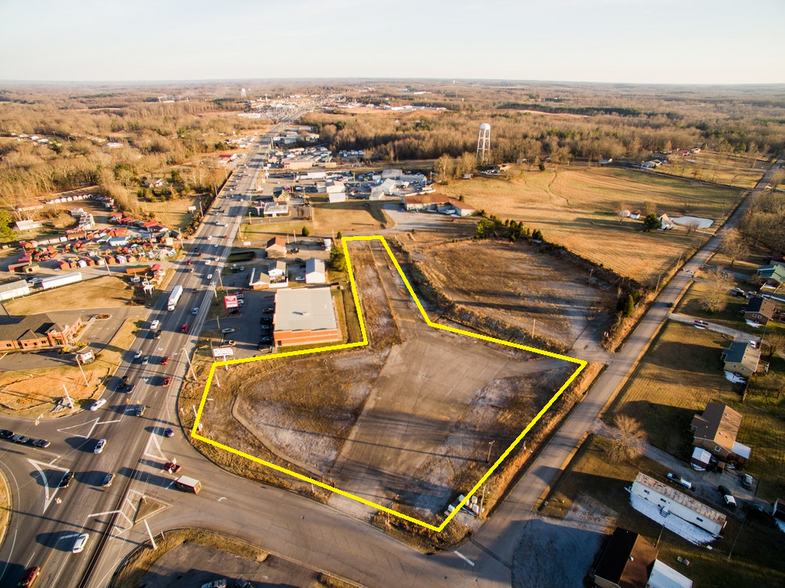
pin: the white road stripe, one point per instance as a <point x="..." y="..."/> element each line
<point x="464" y="558"/>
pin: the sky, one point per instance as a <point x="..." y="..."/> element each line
<point x="617" y="41"/>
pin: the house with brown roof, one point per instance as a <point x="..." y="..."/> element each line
<point x="716" y="430"/>
<point x="276" y="247"/>
<point x="759" y="310"/>
<point x="626" y="562"/>
<point x="38" y="331"/>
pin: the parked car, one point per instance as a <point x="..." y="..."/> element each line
<point x="80" y="542"/>
<point x="701" y="325"/>
<point x="228" y="330"/>
<point x="41" y="443"/>
<point x="65" y="481"/>
<point x="727" y="496"/>
<point x="21" y="439"/>
<point x="100" y="446"/>
<point x="6" y="434"/>
<point x="679" y="480"/>
<point x="746" y="481"/>
<point x="108" y="478"/>
<point x="97" y="404"/>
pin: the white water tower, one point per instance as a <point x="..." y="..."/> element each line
<point x="242" y="93"/>
<point x="483" y="142"/>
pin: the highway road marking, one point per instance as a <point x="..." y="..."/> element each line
<point x="13" y="544"/>
<point x="464" y="558"/>
<point x="154" y="441"/>
<point x="111" y="512"/>
<point x="47" y="498"/>
<point x="95" y="423"/>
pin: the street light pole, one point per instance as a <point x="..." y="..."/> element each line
<point x="79" y="363"/>
<point x="190" y="365"/>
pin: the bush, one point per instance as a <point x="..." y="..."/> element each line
<point x="306" y="231"/>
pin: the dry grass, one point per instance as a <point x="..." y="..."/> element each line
<point x="577" y="208"/>
<point x="756" y="558"/>
<point x="136" y="565"/>
<point x="329" y="581"/>
<point x="173" y="213"/>
<point x="519" y="285"/>
<point x="103" y="292"/>
<point x="347" y="217"/>
<point x="32" y="391"/>
<point x="716" y="168"/>
<point x="5" y="506"/>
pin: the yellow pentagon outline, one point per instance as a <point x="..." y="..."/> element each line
<point x="195" y="435"/>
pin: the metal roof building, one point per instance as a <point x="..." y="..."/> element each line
<point x="304" y="316"/>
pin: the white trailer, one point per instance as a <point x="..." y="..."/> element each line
<point x="174" y="298"/>
<point x="56" y="281"/>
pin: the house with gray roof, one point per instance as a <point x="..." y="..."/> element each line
<point x="741" y="358"/>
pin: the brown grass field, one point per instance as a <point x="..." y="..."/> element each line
<point x="756" y="557"/>
<point x="677" y="377"/>
<point x="578" y="208"/>
<point x="728" y="170"/>
<point x="103" y="292"/>
<point x="173" y="213"/>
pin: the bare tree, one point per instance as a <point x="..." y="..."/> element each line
<point x="734" y="247"/>
<point x="627" y="439"/>
<point x="444" y="168"/>
<point x="715" y="296"/>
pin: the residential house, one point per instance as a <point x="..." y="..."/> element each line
<point x="38" y="331"/>
<point x="437" y="203"/>
<point x="667" y="223"/>
<point x="716" y="430"/>
<point x="773" y="275"/>
<point x="315" y="271"/>
<point x="626" y="562"/>
<point x="741" y="358"/>
<point x="276" y="247"/>
<point x="759" y="310"/>
<point x="277" y="270"/>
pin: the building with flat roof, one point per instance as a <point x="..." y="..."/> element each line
<point x="304" y="316"/>
<point x="11" y="290"/>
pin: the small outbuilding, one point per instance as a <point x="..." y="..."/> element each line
<point x="315" y="271"/>
<point x="276" y="247"/>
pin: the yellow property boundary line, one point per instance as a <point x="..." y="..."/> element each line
<point x="195" y="435"/>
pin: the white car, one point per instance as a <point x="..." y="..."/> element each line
<point x="100" y="446"/>
<point x="138" y="354"/>
<point x="209" y="276"/>
<point x="207" y="262"/>
<point x="97" y="404"/>
<point x="154" y="325"/>
<point x="209" y="237"/>
<point x="80" y="542"/>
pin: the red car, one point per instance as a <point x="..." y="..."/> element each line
<point x="166" y="383"/>
<point x="29" y="578"/>
<point x="165" y="360"/>
<point x="184" y="328"/>
<point x="188" y="262"/>
<point x="172" y="467"/>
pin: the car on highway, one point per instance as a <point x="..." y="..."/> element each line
<point x="29" y="577"/>
<point x="164" y="360"/>
<point x="100" y="446"/>
<point x="268" y="311"/>
<point x="158" y="334"/>
<point x="201" y="254"/>
<point x="65" y="481"/>
<point x="80" y="542"/>
<point x="207" y="262"/>
<point x="6" y="434"/>
<point x="145" y="360"/>
<point x="166" y="382"/>
<point x="679" y="480"/>
<point x="209" y="237"/>
<point x="138" y="354"/>
<point x="138" y="410"/>
<point x="215" y="244"/>
<point x="195" y="310"/>
<point x="129" y="387"/>
<point x="209" y="276"/>
<point x="188" y="262"/>
<point x="97" y="404"/>
<point x="184" y="328"/>
<point x="41" y="443"/>
<point x="108" y="478"/>
<point x="154" y="325"/>
<point x="228" y="330"/>
<point x="727" y="496"/>
<point x="168" y="432"/>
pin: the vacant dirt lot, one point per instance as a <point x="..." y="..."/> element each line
<point x="578" y="208"/>
<point x="516" y="284"/>
<point x="104" y="292"/>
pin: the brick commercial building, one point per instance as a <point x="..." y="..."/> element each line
<point x="38" y="331"/>
<point x="304" y="316"/>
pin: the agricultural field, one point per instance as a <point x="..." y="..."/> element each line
<point x="717" y="168"/>
<point x="352" y="216"/>
<point x="578" y="209"/>
<point x="677" y="377"/>
<point x="172" y="213"/>
<point x="756" y="547"/>
<point x="517" y="284"/>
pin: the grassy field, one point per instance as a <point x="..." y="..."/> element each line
<point x="677" y="377"/>
<point x="173" y="213"/>
<point x="755" y="560"/>
<point x="35" y="391"/>
<point x="103" y="292"/>
<point x="717" y="168"/>
<point x="729" y="317"/>
<point x="578" y="208"/>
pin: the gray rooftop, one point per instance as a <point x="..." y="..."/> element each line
<point x="304" y="309"/>
<point x="314" y="265"/>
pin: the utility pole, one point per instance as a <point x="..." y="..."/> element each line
<point x="190" y="365"/>
<point x="79" y="363"/>
<point x="68" y="397"/>
<point x="490" y="446"/>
